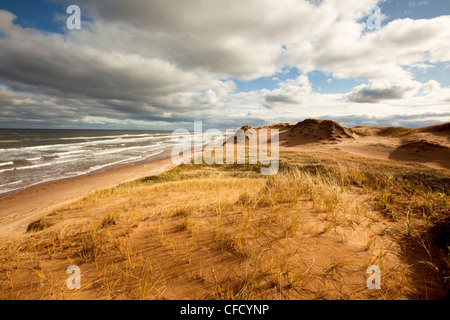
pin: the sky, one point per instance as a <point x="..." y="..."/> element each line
<point x="153" y="64"/>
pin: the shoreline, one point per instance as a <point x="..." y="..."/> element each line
<point x="164" y="154"/>
<point x="20" y="207"/>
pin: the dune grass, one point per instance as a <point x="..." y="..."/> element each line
<point x="226" y="232"/>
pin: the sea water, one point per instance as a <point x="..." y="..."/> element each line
<point x="29" y="157"/>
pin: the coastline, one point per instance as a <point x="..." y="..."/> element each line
<point x="108" y="167"/>
<point x="21" y="207"/>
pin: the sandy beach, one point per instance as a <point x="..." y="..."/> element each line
<point x="22" y="207"/>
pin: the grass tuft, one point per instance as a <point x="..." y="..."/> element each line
<point x="39" y="225"/>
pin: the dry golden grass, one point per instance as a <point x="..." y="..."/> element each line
<point x="226" y="232"/>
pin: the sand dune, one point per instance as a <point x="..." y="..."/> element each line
<point x="318" y="131"/>
<point x="429" y="145"/>
<point x="423" y="151"/>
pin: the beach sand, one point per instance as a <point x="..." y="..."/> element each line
<point x="22" y="207"/>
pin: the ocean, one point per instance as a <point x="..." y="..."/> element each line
<point x="29" y="157"/>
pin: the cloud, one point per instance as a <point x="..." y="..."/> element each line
<point x="6" y="20"/>
<point x="66" y="68"/>
<point x="171" y="62"/>
<point x="291" y="92"/>
<point x="434" y="92"/>
<point x="345" y="51"/>
<point x="379" y="92"/>
<point x="417" y="3"/>
<point x="432" y="86"/>
<point x="414" y="120"/>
